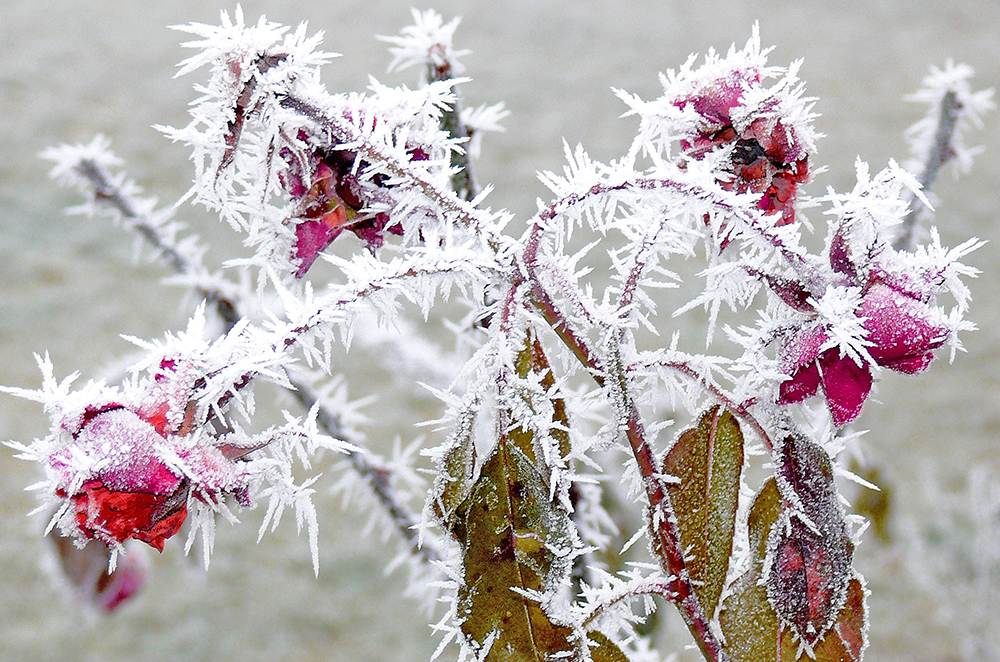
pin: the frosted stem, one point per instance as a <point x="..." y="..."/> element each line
<point x="941" y="151"/>
<point x="378" y="478"/>
<point x="165" y="249"/>
<point x="663" y="522"/>
<point x="463" y="181"/>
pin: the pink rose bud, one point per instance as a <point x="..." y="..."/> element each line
<point x="899" y="326"/>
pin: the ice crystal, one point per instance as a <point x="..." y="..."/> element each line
<point x="564" y="372"/>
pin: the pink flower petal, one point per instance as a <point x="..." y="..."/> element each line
<point x="899" y="327"/>
<point x="846" y="385"/>
<point x="803" y="384"/>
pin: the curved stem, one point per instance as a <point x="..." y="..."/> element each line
<point x="663" y="522"/>
<point x="731" y="405"/>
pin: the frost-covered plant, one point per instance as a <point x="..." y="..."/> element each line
<point x="560" y="376"/>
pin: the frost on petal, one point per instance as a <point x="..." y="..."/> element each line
<point x="900" y="329"/>
<point x="129" y="490"/>
<point x="128" y="446"/>
<point x="798" y="360"/>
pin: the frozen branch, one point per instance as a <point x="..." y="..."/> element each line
<point x="229" y="309"/>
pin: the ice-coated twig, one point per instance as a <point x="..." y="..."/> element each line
<point x="86" y="167"/>
<point x="941" y="152"/>
<point x="953" y="108"/>
<point x="428" y="42"/>
<point x="377" y="476"/>
<point x="229" y="308"/>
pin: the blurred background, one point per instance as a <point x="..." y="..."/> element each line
<point x="70" y="70"/>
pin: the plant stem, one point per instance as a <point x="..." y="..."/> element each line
<point x="663" y="522"/>
<point x="941" y="152"/>
<point x="378" y="478"/>
<point x="463" y="182"/>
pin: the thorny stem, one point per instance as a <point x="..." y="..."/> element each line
<point x="378" y="478"/>
<point x="663" y="522"/>
<point x="731" y="405"/>
<point x="543" y="302"/>
<point x="463" y="181"/>
<point x="114" y="196"/>
<point x="662" y="519"/>
<point x="941" y="152"/>
<point x="795" y="260"/>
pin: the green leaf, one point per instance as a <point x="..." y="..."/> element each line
<point x="455" y="471"/>
<point x="749" y="623"/>
<point x="508" y="528"/>
<point x="515" y="536"/>
<point x="707" y="461"/>
<point x="606" y="650"/>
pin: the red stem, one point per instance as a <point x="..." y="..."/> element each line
<point x="661" y="511"/>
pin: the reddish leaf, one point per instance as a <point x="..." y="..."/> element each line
<point x="809" y="548"/>
<point x="752" y="629"/>
<point x="807" y="580"/>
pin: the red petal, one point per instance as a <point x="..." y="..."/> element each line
<point x="118" y="516"/>
<point x="802" y="385"/>
<point x="846" y="385"/>
<point x="899" y="328"/>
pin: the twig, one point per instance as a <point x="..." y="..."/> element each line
<point x="377" y="477"/>
<point x="463" y="181"/>
<point x="940" y="153"/>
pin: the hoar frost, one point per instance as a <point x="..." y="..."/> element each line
<point x="715" y="169"/>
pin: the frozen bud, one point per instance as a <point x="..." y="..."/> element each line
<point x="901" y="333"/>
<point x="330" y="198"/>
<point x="128" y="473"/>
<point x="901" y="329"/>
<point x="129" y="492"/>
